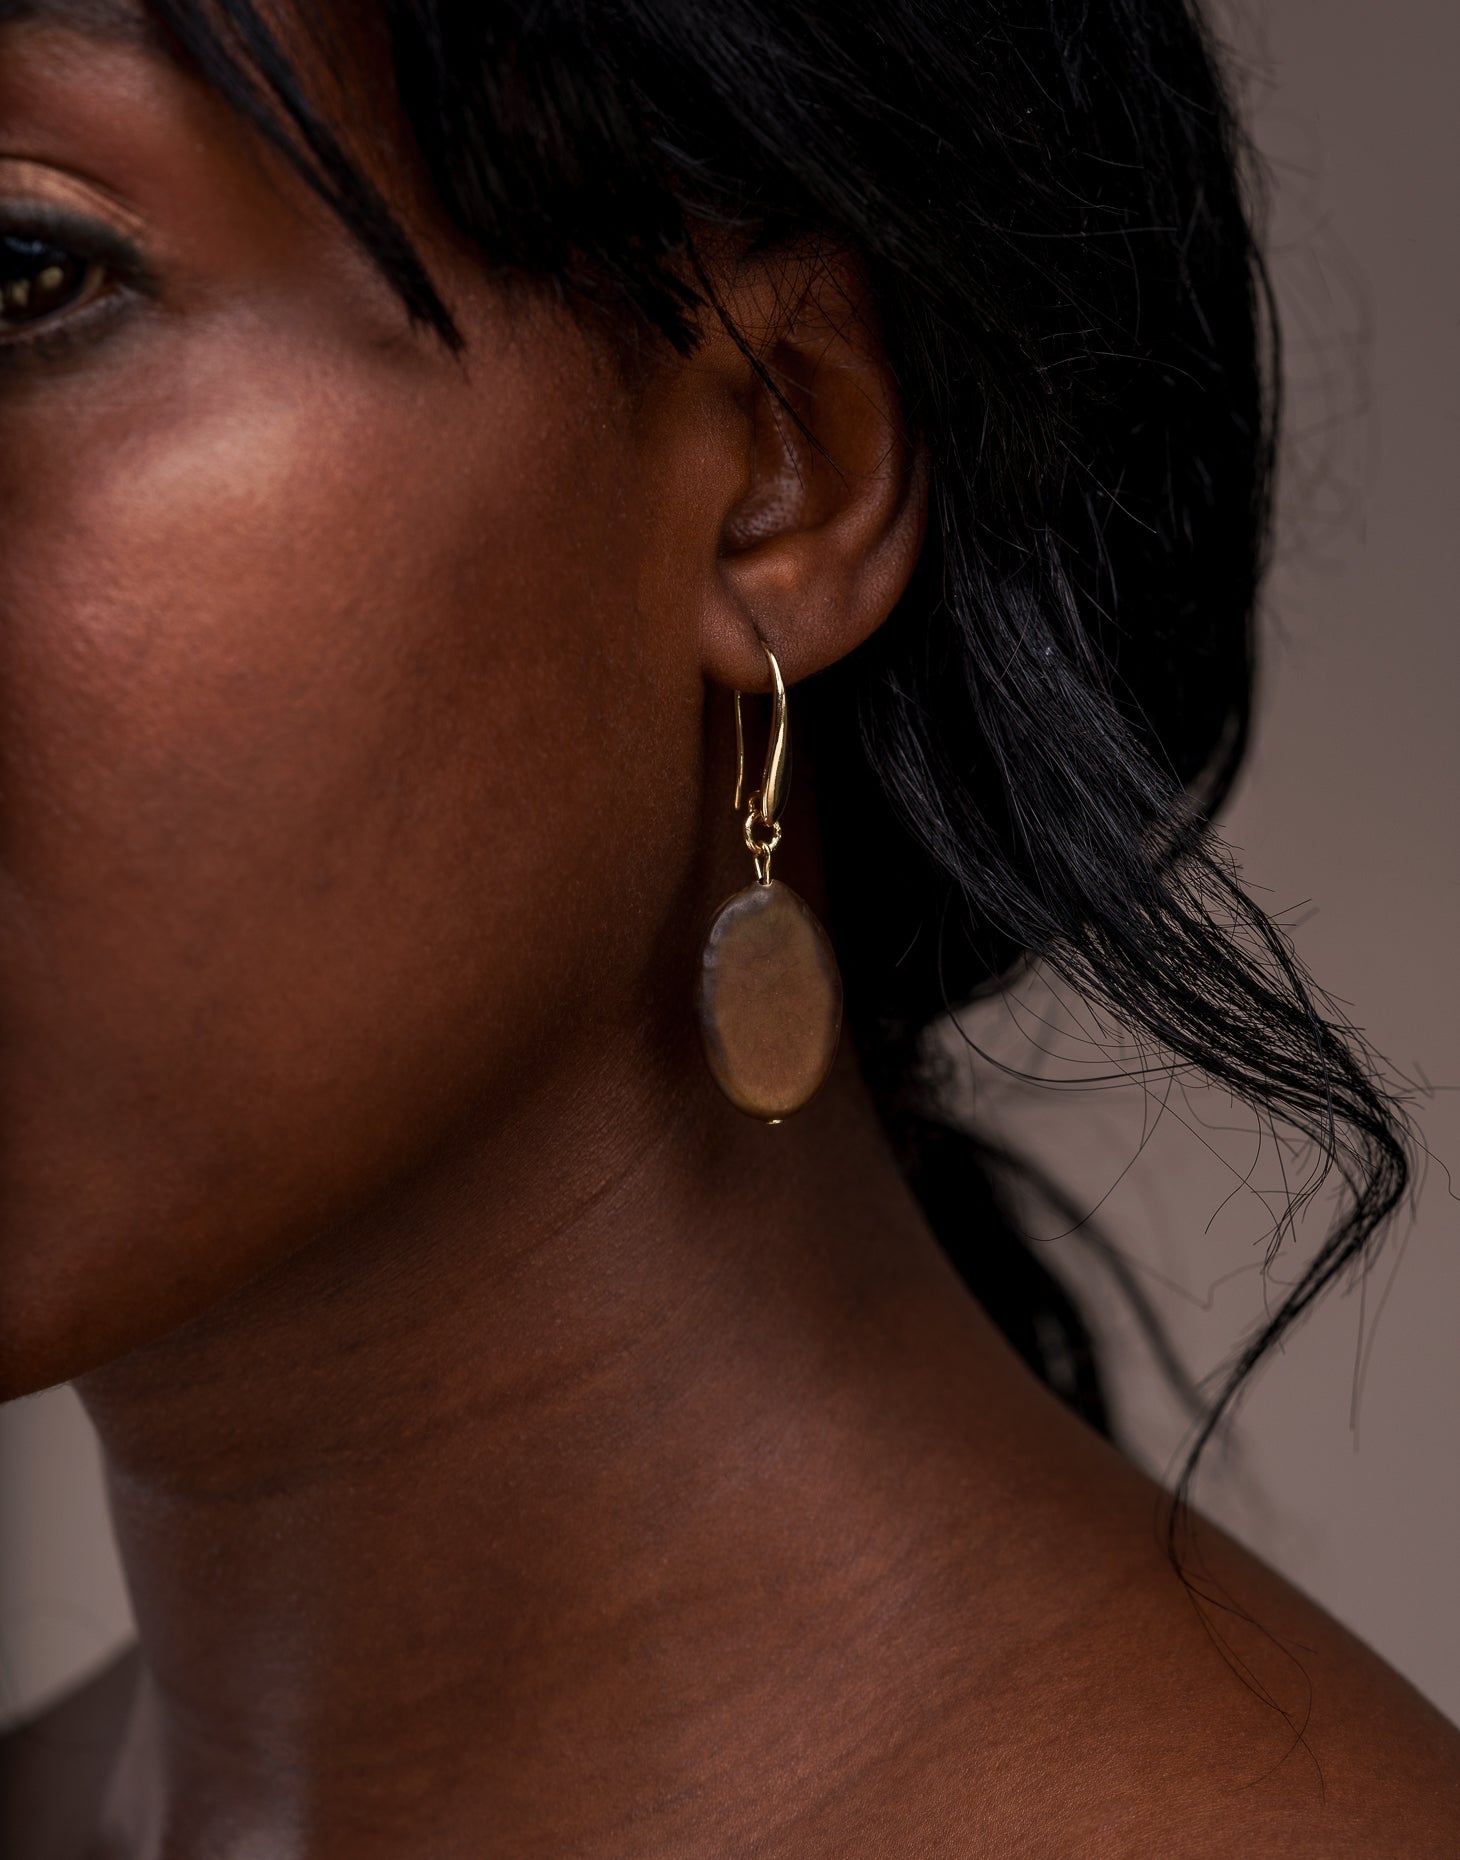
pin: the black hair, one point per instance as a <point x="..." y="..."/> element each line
<point x="1058" y="219"/>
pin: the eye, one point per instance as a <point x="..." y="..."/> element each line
<point x="39" y="281"/>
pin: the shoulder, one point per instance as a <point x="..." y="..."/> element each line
<point x="1089" y="1705"/>
<point x="1365" y="1765"/>
<point x="54" y="1766"/>
<point x="1234" y="1717"/>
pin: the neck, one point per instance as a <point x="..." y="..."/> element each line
<point x="583" y="1501"/>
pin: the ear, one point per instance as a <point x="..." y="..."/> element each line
<point x="819" y="535"/>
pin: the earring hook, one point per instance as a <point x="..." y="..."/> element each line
<point x="769" y="799"/>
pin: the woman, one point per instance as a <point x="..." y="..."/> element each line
<point x="540" y="1413"/>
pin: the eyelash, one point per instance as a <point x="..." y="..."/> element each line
<point x="124" y="276"/>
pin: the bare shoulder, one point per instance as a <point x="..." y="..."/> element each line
<point x="53" y="1767"/>
<point x="1295" y="1737"/>
<point x="1238" y="1719"/>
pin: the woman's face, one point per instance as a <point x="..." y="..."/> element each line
<point x="344" y="694"/>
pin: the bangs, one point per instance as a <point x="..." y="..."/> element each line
<point x="530" y="159"/>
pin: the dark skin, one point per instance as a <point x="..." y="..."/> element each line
<point x="514" y="1449"/>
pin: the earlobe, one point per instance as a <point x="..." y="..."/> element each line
<point x="818" y="548"/>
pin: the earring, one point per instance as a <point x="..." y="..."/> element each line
<point x="769" y="997"/>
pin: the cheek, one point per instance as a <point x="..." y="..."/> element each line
<point x="319" y="703"/>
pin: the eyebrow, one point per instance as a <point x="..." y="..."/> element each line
<point x="113" y="21"/>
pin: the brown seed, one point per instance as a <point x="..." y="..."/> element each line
<point x="769" y="1001"/>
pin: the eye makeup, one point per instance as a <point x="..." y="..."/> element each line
<point x="64" y="279"/>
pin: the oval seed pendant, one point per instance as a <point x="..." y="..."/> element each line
<point x="769" y="1001"/>
<point x="769" y="997"/>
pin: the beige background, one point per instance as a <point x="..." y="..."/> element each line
<point x="1346" y="820"/>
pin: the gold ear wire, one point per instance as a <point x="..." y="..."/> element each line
<point x="768" y="802"/>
